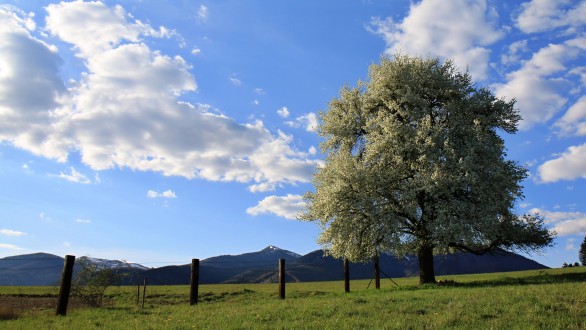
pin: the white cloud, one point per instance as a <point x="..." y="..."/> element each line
<point x="262" y="187"/>
<point x="124" y="112"/>
<point x="259" y="91"/>
<point x="312" y="150"/>
<point x="45" y="217"/>
<point x="74" y="176"/>
<point x="288" y="206"/>
<point x="9" y="232"/>
<point x="541" y="83"/>
<point x="570" y="244"/>
<point x="165" y="194"/>
<point x="235" y="81"/>
<point x="309" y="121"/>
<point x="460" y="30"/>
<point x="573" y="121"/>
<point x="196" y="51"/>
<point x="514" y="49"/>
<point x="203" y="13"/>
<point x="10" y="247"/>
<point x="283" y="112"/>
<point x="84" y="221"/>
<point x="546" y="15"/>
<point x="30" y="85"/>
<point x="564" y="223"/>
<point x="74" y="22"/>
<point x="568" y="166"/>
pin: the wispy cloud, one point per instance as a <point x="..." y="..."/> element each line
<point x="74" y="176"/>
<point x="235" y="81"/>
<point x="10" y="247"/>
<point x="9" y="232"/>
<point x="84" y="221"/>
<point x="203" y="13"/>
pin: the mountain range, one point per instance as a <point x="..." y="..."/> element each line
<point x="260" y="267"/>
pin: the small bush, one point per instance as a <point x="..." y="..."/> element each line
<point x="91" y="281"/>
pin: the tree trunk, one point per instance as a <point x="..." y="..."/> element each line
<point x="426" y="272"/>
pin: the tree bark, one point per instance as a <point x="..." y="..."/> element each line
<point x="426" y="272"/>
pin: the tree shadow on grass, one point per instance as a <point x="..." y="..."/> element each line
<point x="541" y="278"/>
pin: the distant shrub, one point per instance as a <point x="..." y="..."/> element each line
<point x="91" y="281"/>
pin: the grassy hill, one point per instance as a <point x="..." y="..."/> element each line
<point x="538" y="299"/>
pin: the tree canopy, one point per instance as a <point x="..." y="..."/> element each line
<point x="414" y="164"/>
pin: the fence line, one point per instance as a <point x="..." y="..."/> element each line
<point x="69" y="264"/>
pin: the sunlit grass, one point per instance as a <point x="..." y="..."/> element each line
<point x="546" y="299"/>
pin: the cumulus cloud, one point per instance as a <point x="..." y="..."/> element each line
<point x="165" y="194"/>
<point x="567" y="166"/>
<point x="10" y="232"/>
<point x="460" y="30"/>
<point x="124" y="112"/>
<point x="545" y="15"/>
<point x="308" y="121"/>
<point x="30" y="86"/>
<point x="541" y="83"/>
<point x="262" y="187"/>
<point x="74" y="176"/>
<point x="283" y="112"/>
<point x="288" y="206"/>
<point x="564" y="223"/>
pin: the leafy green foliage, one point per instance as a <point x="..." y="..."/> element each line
<point x="91" y="281"/>
<point x="415" y="165"/>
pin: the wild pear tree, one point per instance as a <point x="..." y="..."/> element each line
<point x="414" y="164"/>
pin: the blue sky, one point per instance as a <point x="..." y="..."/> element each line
<point x="160" y="131"/>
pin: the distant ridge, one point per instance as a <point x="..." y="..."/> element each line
<point x="261" y="267"/>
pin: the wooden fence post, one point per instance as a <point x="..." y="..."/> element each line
<point x="138" y="293"/>
<point x="346" y="275"/>
<point x="193" y="293"/>
<point x="65" y="288"/>
<point x="282" y="278"/>
<point x="376" y="273"/>
<point x="143" y="293"/>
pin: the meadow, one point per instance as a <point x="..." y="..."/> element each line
<point x="542" y="299"/>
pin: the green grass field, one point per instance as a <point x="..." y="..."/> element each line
<point x="545" y="299"/>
